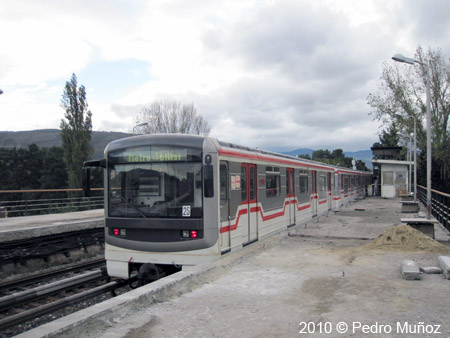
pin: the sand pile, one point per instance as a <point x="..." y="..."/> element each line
<point x="404" y="237"/>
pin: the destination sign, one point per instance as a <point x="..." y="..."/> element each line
<point x="158" y="156"/>
<point x="150" y="154"/>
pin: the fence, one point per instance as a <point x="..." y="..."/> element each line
<point x="440" y="204"/>
<point x="47" y="201"/>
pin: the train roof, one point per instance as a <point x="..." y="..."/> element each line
<point x="291" y="158"/>
<point x="197" y="141"/>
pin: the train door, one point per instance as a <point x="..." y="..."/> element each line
<point x="225" y="237"/>
<point x="249" y="198"/>
<point x="329" y="193"/>
<point x="290" y="194"/>
<point x="315" y="196"/>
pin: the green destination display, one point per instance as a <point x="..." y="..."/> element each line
<point x="150" y="154"/>
<point x="158" y="156"/>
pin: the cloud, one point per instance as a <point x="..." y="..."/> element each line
<point x="277" y="74"/>
<point x="430" y="22"/>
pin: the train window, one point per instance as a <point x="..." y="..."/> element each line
<point x="252" y="183"/>
<point x="303" y="181"/>
<point x="273" y="181"/>
<point x="322" y="183"/>
<point x="287" y="182"/>
<point x="223" y="183"/>
<point x="147" y="190"/>
<point x="243" y="183"/>
<point x="150" y="185"/>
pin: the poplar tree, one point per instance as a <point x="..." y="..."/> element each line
<point x="76" y="130"/>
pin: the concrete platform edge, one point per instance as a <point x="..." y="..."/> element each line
<point x="89" y="319"/>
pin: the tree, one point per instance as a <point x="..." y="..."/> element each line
<point x="171" y="116"/>
<point x="75" y="130"/>
<point x="402" y="97"/>
<point x="336" y="157"/>
<point x="54" y="174"/>
<point x="360" y="165"/>
<point x="305" y="156"/>
<point x="390" y="137"/>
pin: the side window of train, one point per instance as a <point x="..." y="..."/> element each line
<point x="303" y="181"/>
<point x="243" y="183"/>
<point x="252" y="183"/>
<point x="223" y="183"/>
<point x="303" y="184"/>
<point x="322" y="182"/>
<point x="273" y="181"/>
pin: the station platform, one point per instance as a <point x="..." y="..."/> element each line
<point x="335" y="276"/>
<point x="18" y="228"/>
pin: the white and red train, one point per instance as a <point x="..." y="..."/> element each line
<point x="174" y="200"/>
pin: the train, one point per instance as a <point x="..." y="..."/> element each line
<point x="173" y="200"/>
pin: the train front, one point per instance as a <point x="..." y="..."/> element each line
<point x="160" y="205"/>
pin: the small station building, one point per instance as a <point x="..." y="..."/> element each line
<point x="390" y="171"/>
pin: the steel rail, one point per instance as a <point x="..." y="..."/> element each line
<point x="18" y="298"/>
<point x="43" y="276"/>
<point x="48" y="245"/>
<point x="51" y="307"/>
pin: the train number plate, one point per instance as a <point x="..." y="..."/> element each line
<point x="186" y="211"/>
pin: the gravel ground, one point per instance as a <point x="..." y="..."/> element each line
<point x="327" y="284"/>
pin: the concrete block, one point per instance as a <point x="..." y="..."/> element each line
<point x="422" y="224"/>
<point x="410" y="270"/>
<point x="407" y="197"/>
<point x="426" y="228"/>
<point x="444" y="263"/>
<point x="410" y="207"/>
<point x="431" y="269"/>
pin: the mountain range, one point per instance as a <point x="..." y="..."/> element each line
<point x="52" y="137"/>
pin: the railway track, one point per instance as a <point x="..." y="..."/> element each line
<point x="20" y="283"/>
<point x="26" y="304"/>
<point x="21" y="251"/>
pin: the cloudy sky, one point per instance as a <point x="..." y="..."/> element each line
<point x="278" y="75"/>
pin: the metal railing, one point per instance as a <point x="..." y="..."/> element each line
<point x="440" y="204"/>
<point x="47" y="201"/>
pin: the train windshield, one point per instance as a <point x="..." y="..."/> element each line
<point x="170" y="186"/>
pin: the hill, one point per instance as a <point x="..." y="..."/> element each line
<point x="299" y="151"/>
<point x="51" y="137"/>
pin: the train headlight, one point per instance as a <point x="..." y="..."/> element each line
<point x="189" y="234"/>
<point x="119" y="232"/>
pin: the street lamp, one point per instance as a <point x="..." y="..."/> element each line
<point x="139" y="125"/>
<point x="401" y="58"/>
<point x="415" y="155"/>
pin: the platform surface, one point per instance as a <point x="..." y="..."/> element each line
<point x="323" y="272"/>
<point x="16" y="228"/>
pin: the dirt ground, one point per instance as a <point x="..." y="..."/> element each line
<point x="324" y="279"/>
